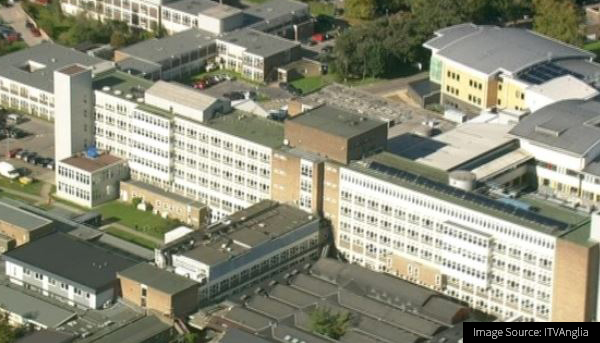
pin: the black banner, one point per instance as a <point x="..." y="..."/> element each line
<point x="532" y="332"/>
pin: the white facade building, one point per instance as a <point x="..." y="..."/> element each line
<point x="27" y="76"/>
<point x="497" y="260"/>
<point x="207" y="15"/>
<point x="90" y="180"/>
<point x="178" y="139"/>
<point x="143" y="14"/>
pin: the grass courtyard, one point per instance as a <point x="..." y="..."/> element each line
<point x="142" y="221"/>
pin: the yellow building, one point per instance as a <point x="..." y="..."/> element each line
<point x="488" y="67"/>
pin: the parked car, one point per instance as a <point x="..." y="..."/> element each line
<point x="200" y="84"/>
<point x="29" y="25"/>
<point x="21" y="154"/>
<point x="234" y="95"/>
<point x="283" y="85"/>
<point x="31" y="157"/>
<point x="39" y="161"/>
<point x="50" y="164"/>
<point x="36" y="32"/>
<point x="13" y="152"/>
<point x="230" y="77"/>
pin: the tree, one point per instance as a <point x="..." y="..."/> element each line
<point x="118" y="39"/>
<point x="324" y="321"/>
<point x="361" y="9"/>
<point x="7" y="333"/>
<point x="560" y="19"/>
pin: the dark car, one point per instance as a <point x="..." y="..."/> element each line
<point x="234" y="95"/>
<point x="29" y="25"/>
<point x="31" y="157"/>
<point x="39" y="161"/>
<point x="283" y="85"/>
<point x="50" y="164"/>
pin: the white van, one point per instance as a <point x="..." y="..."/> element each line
<point x="14" y="117"/>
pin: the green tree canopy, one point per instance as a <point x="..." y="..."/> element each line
<point x="560" y="19"/>
<point x="361" y="9"/>
<point x="329" y="323"/>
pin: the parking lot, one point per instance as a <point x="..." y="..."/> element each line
<point x="272" y="91"/>
<point x="39" y="140"/>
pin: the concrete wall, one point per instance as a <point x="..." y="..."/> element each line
<point x="22" y="235"/>
<point x="177" y="305"/>
<point x="188" y="214"/>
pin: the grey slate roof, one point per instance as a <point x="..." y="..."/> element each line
<point x="32" y="308"/>
<point x="72" y="259"/>
<point x="235" y="335"/>
<point x="489" y="49"/>
<point x="138" y="332"/>
<point x="53" y="56"/>
<point x="248" y="319"/>
<point x="258" y="43"/>
<point x="156" y="50"/>
<point x="157" y="278"/>
<point x="47" y="336"/>
<point x="21" y="218"/>
<point x="570" y="125"/>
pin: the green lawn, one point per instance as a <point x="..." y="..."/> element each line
<point x="593" y="47"/>
<point x="33" y="188"/>
<point x="131" y="238"/>
<point x="311" y="84"/>
<point x="141" y="221"/>
<point x="321" y="8"/>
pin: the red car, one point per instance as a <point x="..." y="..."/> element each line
<point x="200" y="84"/>
<point x="35" y="32"/>
<point x="13" y="152"/>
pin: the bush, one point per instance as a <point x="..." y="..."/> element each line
<point x="149" y="207"/>
<point x="136" y="201"/>
<point x="328" y="323"/>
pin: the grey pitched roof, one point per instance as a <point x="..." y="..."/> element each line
<point x="235" y="335"/>
<point x="258" y="43"/>
<point x="72" y="259"/>
<point x="32" y="308"/>
<point x="137" y="332"/>
<point x="47" y="336"/>
<point x="157" y="278"/>
<point x="570" y="125"/>
<point x="50" y="55"/>
<point x="21" y="218"/>
<point x="489" y="49"/>
<point x="137" y="66"/>
<point x="156" y="50"/>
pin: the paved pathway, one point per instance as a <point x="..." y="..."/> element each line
<point x="15" y="16"/>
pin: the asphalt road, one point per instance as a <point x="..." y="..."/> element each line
<point x="15" y="17"/>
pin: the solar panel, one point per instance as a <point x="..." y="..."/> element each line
<point x="467" y="196"/>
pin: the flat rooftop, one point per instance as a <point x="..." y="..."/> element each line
<point x="159" y="279"/>
<point x="452" y="148"/>
<point x="180" y="95"/>
<point x="272" y="10"/>
<point x="206" y="7"/>
<point x="32" y="308"/>
<point x="260" y="130"/>
<point x="248" y="229"/>
<point x="406" y="173"/>
<point x="71" y="259"/>
<point x="35" y="65"/>
<point x="160" y="49"/>
<point x="47" y="336"/>
<point x="258" y="43"/>
<point x="92" y="164"/>
<point x="121" y="84"/>
<point x="337" y="121"/>
<point x="21" y="218"/>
